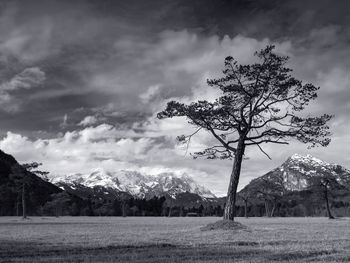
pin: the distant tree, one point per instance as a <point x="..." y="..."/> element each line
<point x="245" y="195"/>
<point x="270" y="190"/>
<point x="157" y="205"/>
<point x="125" y="202"/>
<point x="22" y="177"/>
<point x="134" y="210"/>
<point x="219" y="211"/>
<point x="5" y="199"/>
<point x="170" y="203"/>
<point x="58" y="202"/>
<point x="33" y="168"/>
<point x="259" y="104"/>
<point x="117" y="208"/>
<point x="208" y="210"/>
<point x="200" y="210"/>
<point x="89" y="210"/>
<point x="324" y="185"/>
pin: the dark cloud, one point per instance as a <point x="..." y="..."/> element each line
<point x="109" y="47"/>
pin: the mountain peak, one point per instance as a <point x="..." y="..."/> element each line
<point x="298" y="171"/>
<point x="308" y="158"/>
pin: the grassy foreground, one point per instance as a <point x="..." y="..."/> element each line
<point x="158" y="239"/>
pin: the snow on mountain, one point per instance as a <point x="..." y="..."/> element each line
<point x="297" y="170"/>
<point x="134" y="183"/>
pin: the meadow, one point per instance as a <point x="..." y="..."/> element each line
<point x="161" y="239"/>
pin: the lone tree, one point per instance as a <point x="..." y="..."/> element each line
<point x="22" y="177"/>
<point x="324" y="186"/>
<point x="259" y="104"/>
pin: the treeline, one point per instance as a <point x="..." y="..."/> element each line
<point x="66" y="204"/>
<point x="306" y="203"/>
<point x="298" y="204"/>
<point x="156" y="206"/>
<point x="61" y="203"/>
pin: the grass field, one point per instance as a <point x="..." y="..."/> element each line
<point x="157" y="239"/>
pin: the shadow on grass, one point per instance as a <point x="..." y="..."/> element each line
<point x="296" y="256"/>
<point x="39" y="252"/>
<point x="238" y="251"/>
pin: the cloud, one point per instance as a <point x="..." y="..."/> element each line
<point x="29" y="78"/>
<point x="84" y="150"/>
<point x="150" y="94"/>
<point x="30" y="41"/>
<point x="64" y="122"/>
<point x="175" y="64"/>
<point x="88" y="121"/>
<point x="77" y="148"/>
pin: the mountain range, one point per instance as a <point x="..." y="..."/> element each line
<point x="112" y="184"/>
<point x="294" y="174"/>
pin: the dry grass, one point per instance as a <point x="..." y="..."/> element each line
<point x="157" y="239"/>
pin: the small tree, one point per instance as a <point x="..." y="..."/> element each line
<point x="270" y="192"/>
<point x="170" y="202"/>
<point x="22" y="177"/>
<point x="259" y="104"/>
<point x="32" y="167"/>
<point x="22" y="180"/>
<point x="245" y="195"/>
<point x="324" y="185"/>
<point x="124" y="203"/>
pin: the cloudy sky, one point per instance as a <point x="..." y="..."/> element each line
<point x="81" y="81"/>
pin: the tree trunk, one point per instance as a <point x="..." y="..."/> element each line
<point x="169" y="214"/>
<point x="18" y="203"/>
<point x="266" y="208"/>
<point x="330" y="216"/>
<point x="181" y="211"/>
<point x="124" y="209"/>
<point x="245" y="208"/>
<point x="273" y="209"/>
<point x="230" y="207"/>
<point x="24" y="212"/>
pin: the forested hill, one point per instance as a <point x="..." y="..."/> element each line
<point x="39" y="193"/>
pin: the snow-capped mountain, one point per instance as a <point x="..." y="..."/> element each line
<point x="295" y="173"/>
<point x="133" y="183"/>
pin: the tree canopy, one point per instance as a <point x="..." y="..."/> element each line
<point x="260" y="103"/>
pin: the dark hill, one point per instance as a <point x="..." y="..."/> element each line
<point x="39" y="192"/>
